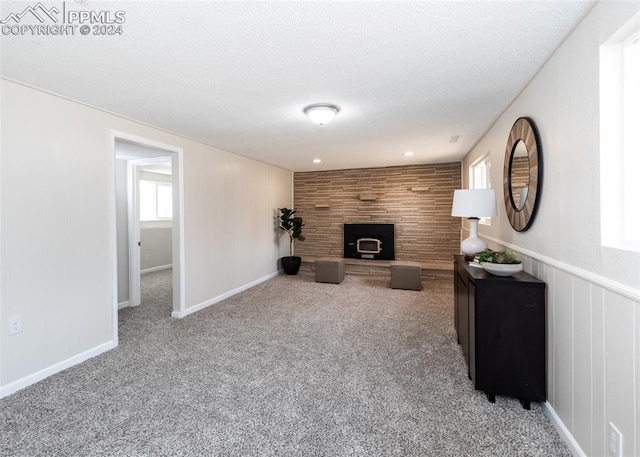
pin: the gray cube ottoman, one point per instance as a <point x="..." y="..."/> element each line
<point x="330" y="269"/>
<point x="406" y="275"/>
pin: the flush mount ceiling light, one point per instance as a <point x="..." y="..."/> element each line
<point x="321" y="113"/>
<point x="407" y="153"/>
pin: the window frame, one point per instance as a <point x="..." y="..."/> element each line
<point x="484" y="163"/>
<point x="620" y="139"/>
<point x="156" y="203"/>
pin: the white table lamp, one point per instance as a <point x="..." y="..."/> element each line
<point x="474" y="204"/>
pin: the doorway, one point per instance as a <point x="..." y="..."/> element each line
<point x="144" y="168"/>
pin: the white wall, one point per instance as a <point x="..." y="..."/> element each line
<point x="58" y="245"/>
<point x="156" y="248"/>
<point x="593" y="293"/>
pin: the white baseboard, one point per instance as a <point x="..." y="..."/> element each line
<point x="211" y="301"/>
<point x="123" y="304"/>
<point x="152" y="269"/>
<point x="53" y="369"/>
<point x="563" y="431"/>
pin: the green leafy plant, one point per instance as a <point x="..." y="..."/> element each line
<point x="504" y="257"/>
<point x="291" y="224"/>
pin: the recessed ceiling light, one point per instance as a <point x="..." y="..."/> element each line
<point x="407" y="154"/>
<point x="317" y="160"/>
<point x="321" y="113"/>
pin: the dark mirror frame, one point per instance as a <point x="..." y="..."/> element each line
<point x="523" y="130"/>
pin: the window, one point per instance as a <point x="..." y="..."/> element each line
<point x="155" y="201"/>
<point x="480" y="178"/>
<point x="631" y="140"/>
<point x="480" y="173"/>
<point x="620" y="139"/>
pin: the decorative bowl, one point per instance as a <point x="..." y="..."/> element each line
<point x="502" y="269"/>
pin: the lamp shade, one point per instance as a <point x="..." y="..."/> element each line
<point x="474" y="203"/>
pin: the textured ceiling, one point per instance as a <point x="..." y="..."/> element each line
<point x="407" y="76"/>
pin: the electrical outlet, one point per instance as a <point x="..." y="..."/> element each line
<point x="615" y="441"/>
<point x="15" y="325"/>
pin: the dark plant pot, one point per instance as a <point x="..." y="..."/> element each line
<point x="291" y="264"/>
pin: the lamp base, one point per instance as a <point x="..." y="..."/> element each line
<point x="472" y="245"/>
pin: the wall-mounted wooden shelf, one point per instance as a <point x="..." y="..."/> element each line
<point x="322" y="205"/>
<point x="367" y="197"/>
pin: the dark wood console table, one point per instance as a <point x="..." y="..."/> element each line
<point x="500" y="322"/>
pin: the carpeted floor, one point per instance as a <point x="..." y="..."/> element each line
<point x="288" y="368"/>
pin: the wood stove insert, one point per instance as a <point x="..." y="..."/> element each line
<point x="369" y="241"/>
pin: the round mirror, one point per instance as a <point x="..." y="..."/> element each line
<point x="522" y="174"/>
<point x="519" y="173"/>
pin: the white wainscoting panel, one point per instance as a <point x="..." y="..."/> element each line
<point x="582" y="361"/>
<point x="593" y="352"/>
<point x="619" y="367"/>
<point x="598" y="426"/>
<point x="563" y="350"/>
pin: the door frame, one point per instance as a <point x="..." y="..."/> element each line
<point x="177" y="184"/>
<point x="133" y="212"/>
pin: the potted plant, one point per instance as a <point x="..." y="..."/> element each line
<point x="291" y="224"/>
<point x="500" y="263"/>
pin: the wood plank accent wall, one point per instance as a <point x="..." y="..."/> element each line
<point x="425" y="230"/>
